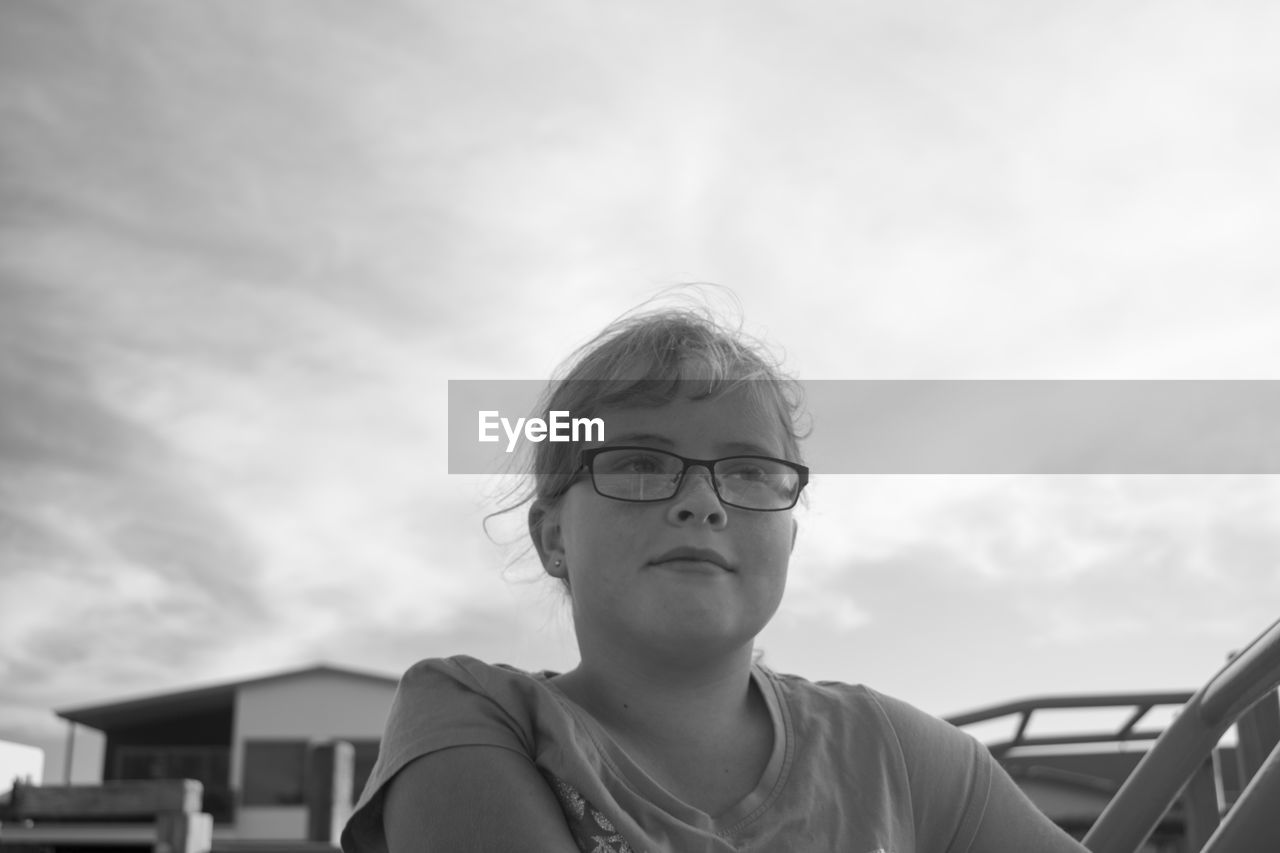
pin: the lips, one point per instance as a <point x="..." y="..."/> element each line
<point x="701" y="555"/>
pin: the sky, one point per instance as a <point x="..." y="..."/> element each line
<point x="244" y="247"/>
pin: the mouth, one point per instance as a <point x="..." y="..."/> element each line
<point x="703" y="556"/>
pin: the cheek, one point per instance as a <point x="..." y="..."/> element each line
<point x="773" y="538"/>
<point x="776" y="551"/>
<point x="595" y="535"/>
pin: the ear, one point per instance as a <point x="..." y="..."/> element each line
<point x="544" y="530"/>
<point x="795" y="528"/>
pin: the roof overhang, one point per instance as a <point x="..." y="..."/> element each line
<point x="198" y="701"/>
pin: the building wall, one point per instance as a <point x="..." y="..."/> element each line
<point x="307" y="706"/>
<point x="195" y="745"/>
<point x="19" y="762"/>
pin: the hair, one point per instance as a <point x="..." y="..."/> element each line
<point x="651" y="357"/>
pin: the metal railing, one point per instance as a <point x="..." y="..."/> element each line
<point x="1175" y="764"/>
<point x="1178" y="766"/>
<point x="1026" y="709"/>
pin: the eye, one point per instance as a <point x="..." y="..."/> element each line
<point x="633" y="462"/>
<point x="748" y="470"/>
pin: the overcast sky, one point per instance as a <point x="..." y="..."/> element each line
<point x="243" y="247"/>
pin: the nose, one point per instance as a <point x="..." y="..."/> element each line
<point x="696" y="502"/>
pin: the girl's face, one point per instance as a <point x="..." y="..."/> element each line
<point x="679" y="577"/>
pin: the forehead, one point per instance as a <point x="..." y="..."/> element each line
<point x="737" y="421"/>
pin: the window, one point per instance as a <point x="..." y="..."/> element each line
<point x="208" y="765"/>
<point x="366" y="754"/>
<point x="273" y="772"/>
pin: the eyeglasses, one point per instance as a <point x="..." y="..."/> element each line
<point x="643" y="474"/>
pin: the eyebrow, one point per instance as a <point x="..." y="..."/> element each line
<point x="731" y="448"/>
<point x="653" y="438"/>
<point x="748" y="448"/>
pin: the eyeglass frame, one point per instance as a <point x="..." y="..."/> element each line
<point x="589" y="455"/>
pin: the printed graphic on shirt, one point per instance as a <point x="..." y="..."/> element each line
<point x="591" y="830"/>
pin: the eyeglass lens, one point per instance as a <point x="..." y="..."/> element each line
<point x="633" y="474"/>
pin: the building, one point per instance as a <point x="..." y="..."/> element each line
<point x="19" y="762"/>
<point x="246" y="741"/>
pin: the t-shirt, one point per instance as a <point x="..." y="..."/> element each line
<point x="851" y="769"/>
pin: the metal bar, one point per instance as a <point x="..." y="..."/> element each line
<point x="1146" y="795"/>
<point x="1259" y="731"/>
<point x="1249" y="676"/>
<point x="1083" y="700"/>
<point x="1022" y="727"/>
<point x="1253" y="822"/>
<point x="1127" y="729"/>
<point x="1067" y="740"/>
<point x="1200" y="806"/>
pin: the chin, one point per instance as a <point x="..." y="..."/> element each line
<point x="686" y="641"/>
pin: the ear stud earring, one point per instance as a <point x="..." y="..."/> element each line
<point x="557" y="562"/>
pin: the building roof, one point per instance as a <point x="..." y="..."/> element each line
<point x="198" y="700"/>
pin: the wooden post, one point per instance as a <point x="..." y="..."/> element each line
<point x="184" y="832"/>
<point x="329" y="783"/>
<point x="162" y="813"/>
<point x="134" y="799"/>
<point x="71" y="750"/>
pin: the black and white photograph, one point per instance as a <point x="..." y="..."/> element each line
<point x="639" y="427"/>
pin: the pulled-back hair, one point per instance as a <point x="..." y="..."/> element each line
<point x="650" y="359"/>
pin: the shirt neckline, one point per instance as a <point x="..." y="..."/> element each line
<point x="633" y="776"/>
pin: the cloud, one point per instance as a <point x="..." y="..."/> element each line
<point x="245" y="247"/>
<point x="107" y="543"/>
<point x="973" y="590"/>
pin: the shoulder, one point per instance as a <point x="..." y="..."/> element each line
<point x="915" y="726"/>
<point x="463" y="668"/>
<point x="840" y="701"/>
<point x="930" y="746"/>
<point x="866" y="705"/>
<point x="443" y="703"/>
<point x="462" y="672"/>
<point x="823" y="693"/>
<point x="944" y="773"/>
<point x="430" y="683"/>
<point x="949" y="772"/>
<point x="464" y="696"/>
<point x="460" y="701"/>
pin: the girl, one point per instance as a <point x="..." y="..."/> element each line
<point x="672" y="540"/>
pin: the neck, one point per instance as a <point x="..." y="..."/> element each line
<point x="663" y="701"/>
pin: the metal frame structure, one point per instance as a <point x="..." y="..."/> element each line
<point x="1179" y="764"/>
<point x="1025" y="710"/>
<point x="1253" y="823"/>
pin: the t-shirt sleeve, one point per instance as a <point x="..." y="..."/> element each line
<point x="440" y="703"/>
<point x="949" y="774"/>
